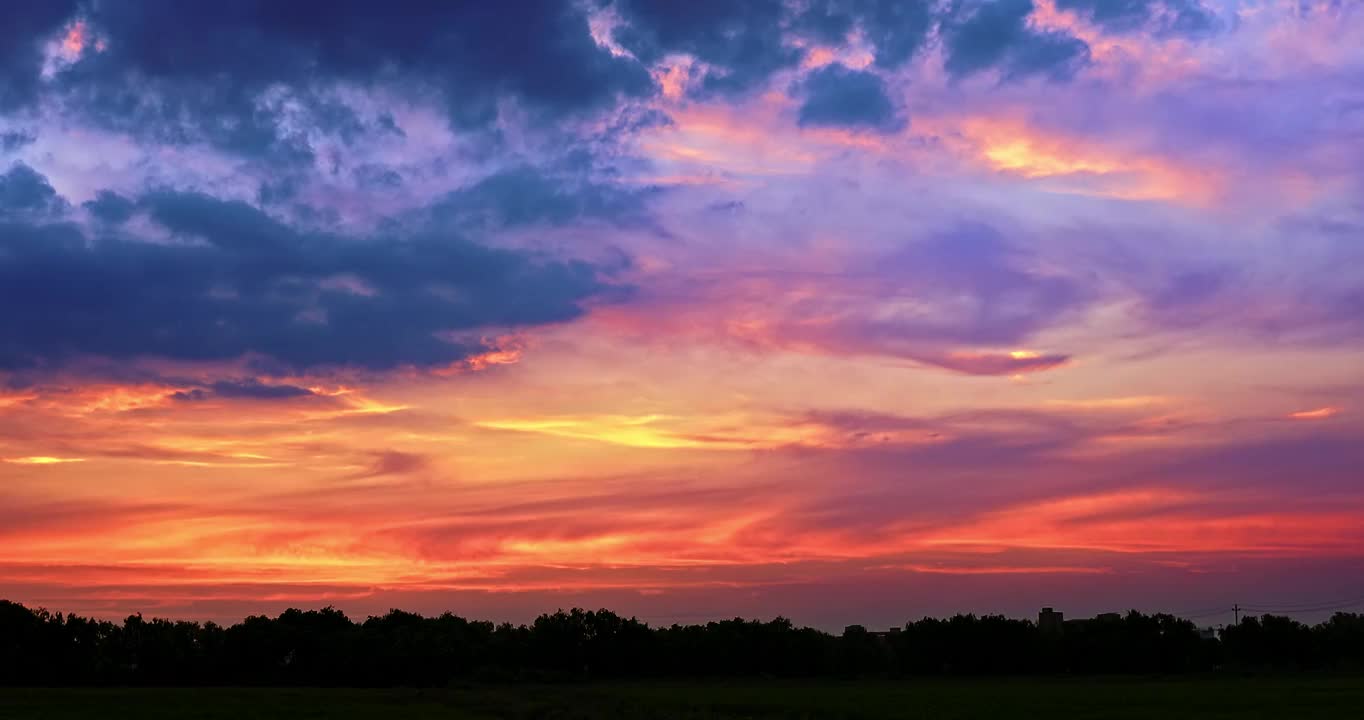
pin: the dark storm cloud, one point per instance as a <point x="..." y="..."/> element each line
<point x="248" y="389"/>
<point x="742" y="40"/>
<point x="989" y="35"/>
<point x="836" y="95"/>
<point x="748" y="41"/>
<point x="1187" y="17"/>
<point x="25" y="192"/>
<point x="744" y="44"/>
<point x="256" y="77"/>
<point x="110" y="207"/>
<point x="897" y="29"/>
<point x="230" y="281"/>
<point x="199" y="71"/>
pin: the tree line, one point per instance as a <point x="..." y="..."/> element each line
<point x="324" y="647"/>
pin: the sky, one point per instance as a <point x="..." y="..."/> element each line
<point x="850" y="311"/>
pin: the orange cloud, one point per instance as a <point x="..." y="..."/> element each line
<point x="502" y="350"/>
<point x="817" y="56"/>
<point x="1320" y="413"/>
<point x="74" y="41"/>
<point x="118" y="398"/>
<point x="1113" y="403"/>
<point x="632" y="431"/>
<point x="1077" y="165"/>
<point x="1125" y="522"/>
<point x="8" y="401"/>
<point x="672" y="78"/>
<point x="42" y="460"/>
<point x="667" y="432"/>
<point x="596" y="533"/>
<point x="1010" y="363"/>
<point x="1003" y="569"/>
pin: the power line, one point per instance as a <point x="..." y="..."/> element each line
<point x="1236" y="609"/>
<point x="1289" y="610"/>
<point x="1311" y="604"/>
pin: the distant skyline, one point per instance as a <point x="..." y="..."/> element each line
<point x="851" y="311"/>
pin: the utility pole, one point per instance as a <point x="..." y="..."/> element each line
<point x="1236" y="611"/>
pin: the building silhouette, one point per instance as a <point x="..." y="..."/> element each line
<point x="1050" y="621"/>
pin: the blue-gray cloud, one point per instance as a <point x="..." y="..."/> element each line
<point x="1185" y="17"/>
<point x="24" y="192"/>
<point x="995" y="35"/>
<point x="256" y="77"/>
<point x="742" y="41"/>
<point x="15" y="139"/>
<point x="230" y="281"/>
<point x="191" y="72"/>
<point x="110" y="207"/>
<point x="836" y="95"/>
<point x="528" y="196"/>
<point x="897" y="29"/>
<point x="248" y="389"/>
<point x="744" y="44"/>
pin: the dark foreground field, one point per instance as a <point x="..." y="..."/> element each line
<point x="1297" y="698"/>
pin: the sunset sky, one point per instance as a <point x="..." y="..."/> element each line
<point x="844" y="310"/>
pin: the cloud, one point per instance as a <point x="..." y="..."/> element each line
<point x="240" y="77"/>
<point x="15" y="139"/>
<point x="1010" y="363"/>
<point x="377" y="178"/>
<point x="42" y="460"/>
<point x="392" y="462"/>
<point x="24" y="192"/>
<point x="1239" y="297"/>
<point x="838" y="96"/>
<point x="898" y="29"/>
<point x="950" y="298"/>
<point x="985" y="289"/>
<point x="742" y="43"/>
<point x="986" y="35"/>
<point x="229" y="281"/>
<point x="1183" y="17"/>
<point x="524" y="195"/>
<point x="26" y="28"/>
<point x="1320" y="413"/>
<point x="266" y="82"/>
<point x="110" y="207"/>
<point x="249" y="389"/>
<point x="1322" y="460"/>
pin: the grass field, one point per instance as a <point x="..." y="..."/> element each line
<point x="1294" y="698"/>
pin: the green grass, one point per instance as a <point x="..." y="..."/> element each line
<point x="1239" y="698"/>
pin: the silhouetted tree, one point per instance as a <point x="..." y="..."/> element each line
<point x="324" y="647"/>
